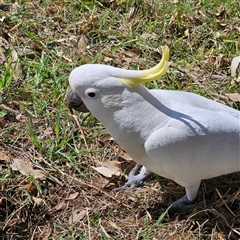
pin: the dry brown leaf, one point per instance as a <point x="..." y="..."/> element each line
<point x="225" y="37"/>
<point x="25" y="95"/>
<point x="73" y="195"/>
<point x="234" y="96"/>
<point x="109" y="168"/>
<point x="26" y="168"/>
<point x="4" y="157"/>
<point x="222" y="13"/>
<point x="219" y="60"/>
<point x="101" y="182"/>
<point x="108" y="59"/>
<point x="133" y="53"/>
<point x="118" y="61"/>
<point x="149" y="36"/>
<point x="82" y="45"/>
<point x="60" y="206"/>
<point x="186" y="33"/>
<point x="105" y="171"/>
<point x="30" y="187"/>
<point x="19" y="117"/>
<point x="218" y="77"/>
<point x="234" y="65"/>
<point x="38" y="201"/>
<point x="77" y="215"/>
<point x="132" y="13"/>
<point x="16" y="65"/>
<point x="46" y="134"/>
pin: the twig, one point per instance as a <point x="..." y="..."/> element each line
<point x="96" y="188"/>
<point x="84" y="139"/>
<point x="86" y="184"/>
<point x="48" y="175"/>
<point x="4" y="107"/>
<point x="12" y="214"/>
<point x="36" y="164"/>
<point x="186" y="72"/>
<point x="219" y="194"/>
<point x="89" y="231"/>
<point x="16" y="26"/>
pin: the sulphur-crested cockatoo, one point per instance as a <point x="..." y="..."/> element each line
<point x="178" y="135"/>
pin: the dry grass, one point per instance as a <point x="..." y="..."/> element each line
<point x="40" y="42"/>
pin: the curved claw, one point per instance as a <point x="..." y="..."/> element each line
<point x="133" y="179"/>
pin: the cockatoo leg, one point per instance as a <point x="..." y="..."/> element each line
<point x="188" y="201"/>
<point x="182" y="204"/>
<point x="134" y="179"/>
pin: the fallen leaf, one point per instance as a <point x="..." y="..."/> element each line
<point x="109" y="168"/>
<point x="108" y="59"/>
<point x="30" y="187"/>
<point x="234" y="65"/>
<point x="133" y="53"/>
<point x="234" y="96"/>
<point x="219" y="61"/>
<point x="186" y="33"/>
<point x="4" y="157"/>
<point x="26" y="168"/>
<point x="225" y="37"/>
<point x="16" y="65"/>
<point x="73" y="195"/>
<point x="149" y="36"/>
<point x="58" y="207"/>
<point x="222" y="13"/>
<point x="77" y="215"/>
<point x="218" y="77"/>
<point x="101" y="182"/>
<point x="46" y="134"/>
<point x="82" y="45"/>
<point x="19" y="117"/>
<point x="105" y="171"/>
<point x="25" y="95"/>
<point x="37" y="47"/>
<point x="132" y="13"/>
<point x="38" y="201"/>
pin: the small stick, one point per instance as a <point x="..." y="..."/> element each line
<point x="4" y="107"/>
<point x="98" y="189"/>
<point x="80" y="182"/>
<point x="16" y="26"/>
<point x="84" y="139"/>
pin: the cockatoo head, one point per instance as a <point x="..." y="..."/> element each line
<point x="95" y="85"/>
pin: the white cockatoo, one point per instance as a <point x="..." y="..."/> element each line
<point x="175" y="134"/>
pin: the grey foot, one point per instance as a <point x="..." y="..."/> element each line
<point x="182" y="204"/>
<point x="133" y="179"/>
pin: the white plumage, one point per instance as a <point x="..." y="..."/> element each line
<point x="178" y="135"/>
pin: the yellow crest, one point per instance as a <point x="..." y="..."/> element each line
<point x="151" y="74"/>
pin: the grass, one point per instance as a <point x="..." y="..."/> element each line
<point x="39" y="47"/>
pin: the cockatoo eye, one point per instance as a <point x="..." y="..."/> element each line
<point x="92" y="93"/>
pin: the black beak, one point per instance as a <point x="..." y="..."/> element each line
<point x="75" y="102"/>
